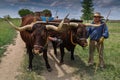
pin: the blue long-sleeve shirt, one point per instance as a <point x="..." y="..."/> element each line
<point x="95" y="33"/>
<point x="45" y="18"/>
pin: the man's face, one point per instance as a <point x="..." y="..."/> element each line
<point x="96" y="18"/>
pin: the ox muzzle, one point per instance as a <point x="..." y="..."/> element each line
<point x="39" y="49"/>
<point x="82" y="42"/>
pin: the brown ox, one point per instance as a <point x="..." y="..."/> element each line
<point x="30" y="37"/>
<point x="71" y="37"/>
<point x="35" y="39"/>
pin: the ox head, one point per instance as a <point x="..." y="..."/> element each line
<point x="39" y="35"/>
<point x="79" y="34"/>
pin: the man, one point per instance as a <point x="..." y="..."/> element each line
<point x="97" y="36"/>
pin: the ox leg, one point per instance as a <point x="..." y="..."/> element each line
<point x="30" y="58"/>
<point x="46" y="60"/>
<point x="55" y="48"/>
<point x="62" y="54"/>
<point x="72" y="54"/>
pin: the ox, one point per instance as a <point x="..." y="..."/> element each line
<point x="71" y="37"/>
<point x="35" y="38"/>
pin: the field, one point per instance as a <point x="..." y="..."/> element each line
<point x="6" y="34"/>
<point x="111" y="57"/>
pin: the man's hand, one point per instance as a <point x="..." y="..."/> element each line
<point x="101" y="40"/>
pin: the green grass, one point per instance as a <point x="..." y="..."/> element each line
<point x="6" y="34"/>
<point x="38" y="67"/>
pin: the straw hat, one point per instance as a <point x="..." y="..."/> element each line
<point x="97" y="14"/>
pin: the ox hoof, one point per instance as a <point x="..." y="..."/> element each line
<point x="49" y="69"/>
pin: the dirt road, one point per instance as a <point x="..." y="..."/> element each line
<point x="11" y="63"/>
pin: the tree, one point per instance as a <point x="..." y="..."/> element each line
<point x="47" y="13"/>
<point x="7" y="16"/>
<point x="87" y="10"/>
<point x="24" y="12"/>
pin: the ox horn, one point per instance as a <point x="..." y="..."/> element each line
<point x="59" y="26"/>
<point x="61" y="23"/>
<point x="19" y="28"/>
<point x="94" y="25"/>
<point x="73" y="24"/>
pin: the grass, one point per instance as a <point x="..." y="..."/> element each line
<point x="6" y="34"/>
<point x="111" y="57"/>
<point x="38" y="67"/>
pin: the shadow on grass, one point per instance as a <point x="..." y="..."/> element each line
<point x="80" y="65"/>
<point x="82" y="70"/>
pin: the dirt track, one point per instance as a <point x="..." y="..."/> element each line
<point x="10" y="64"/>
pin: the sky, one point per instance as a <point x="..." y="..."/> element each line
<point x="62" y="7"/>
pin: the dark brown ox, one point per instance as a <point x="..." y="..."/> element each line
<point x="35" y="39"/>
<point x="71" y="37"/>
